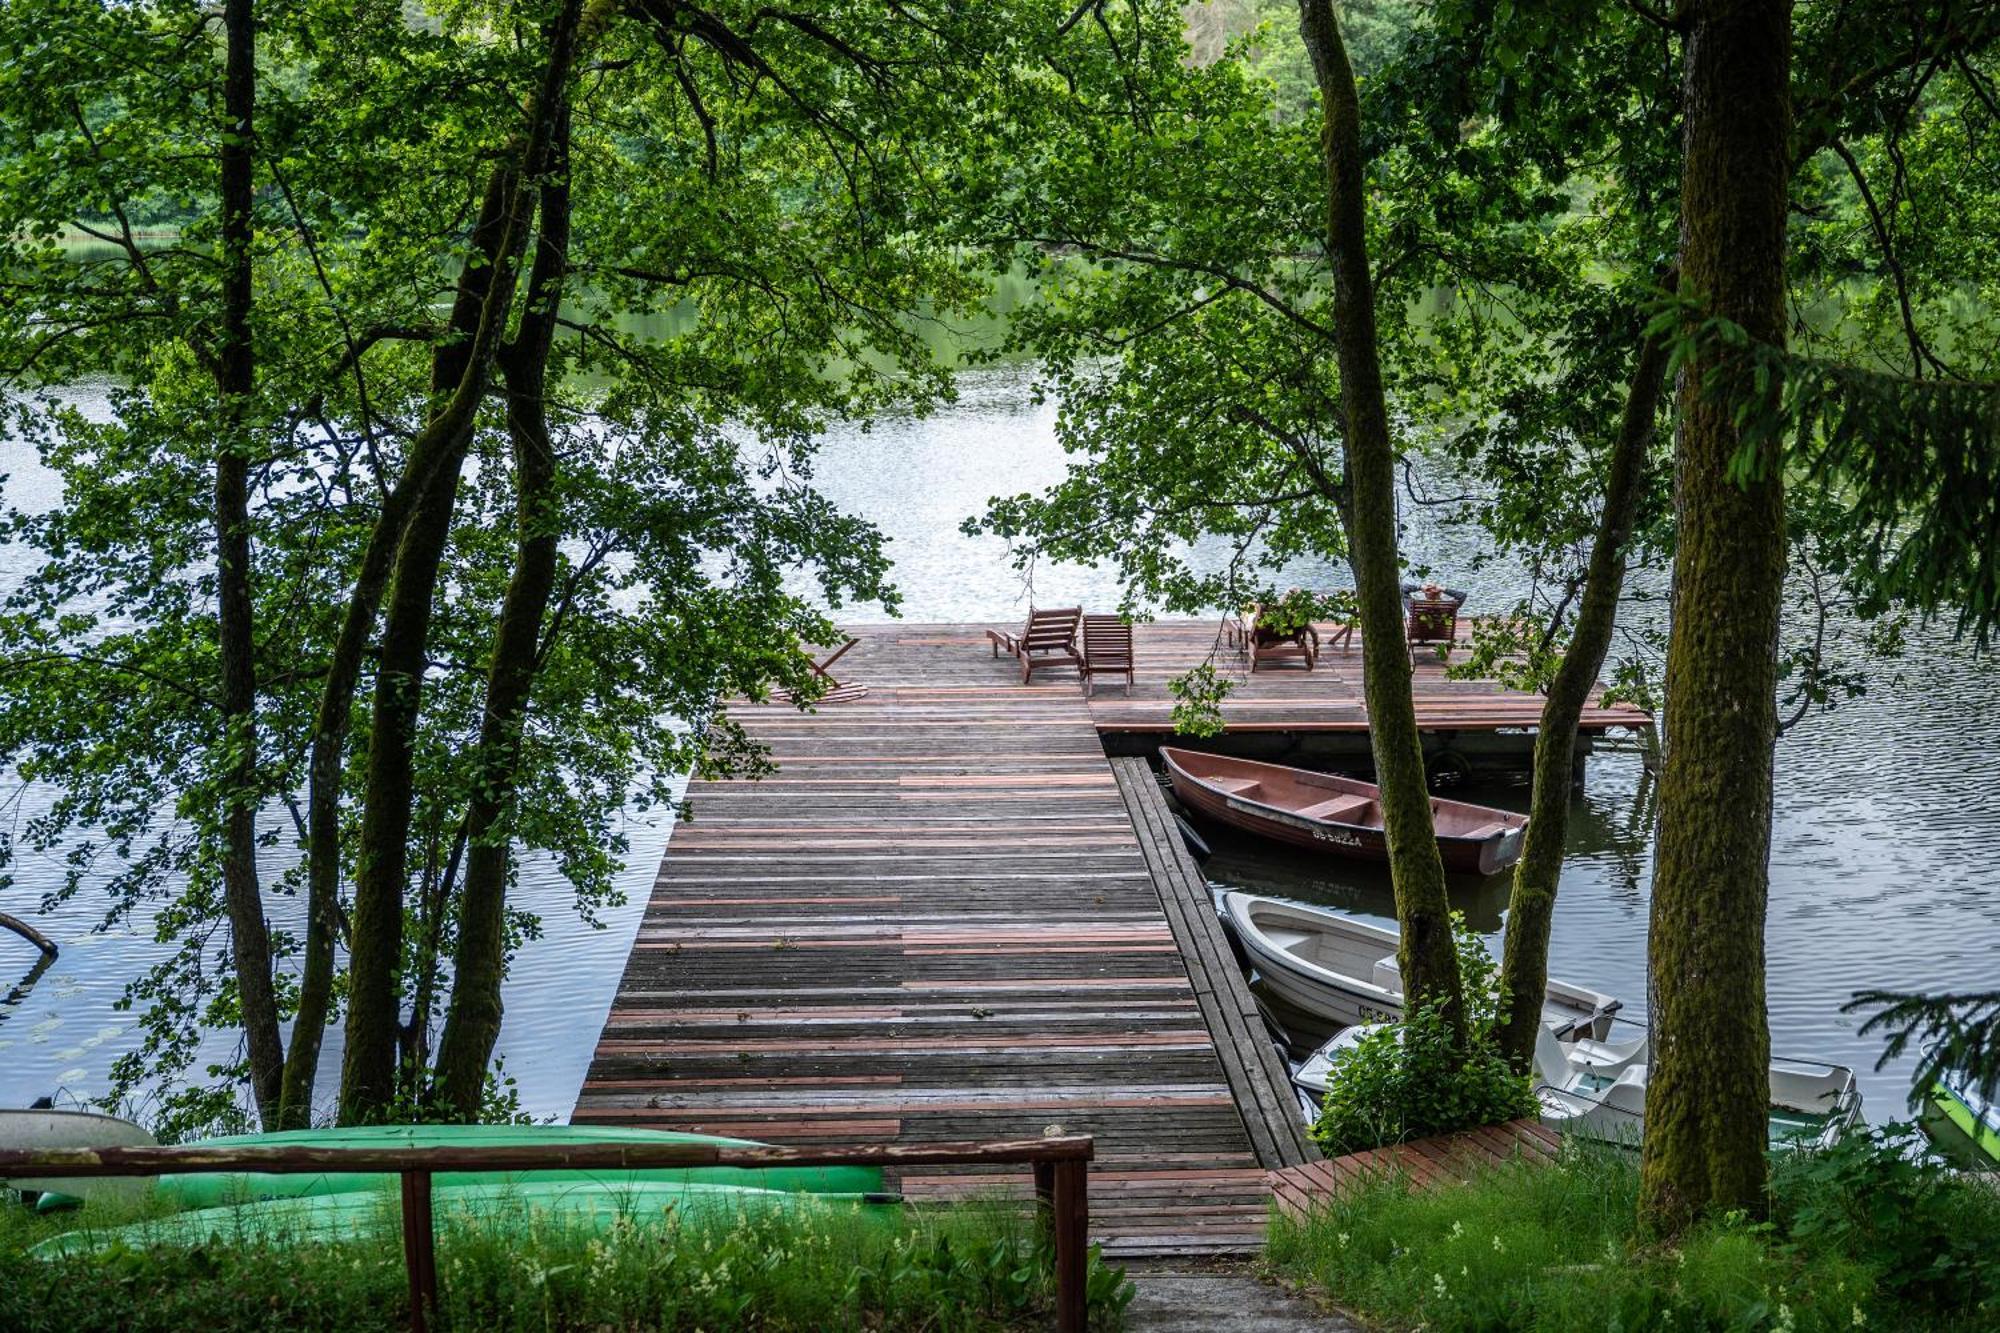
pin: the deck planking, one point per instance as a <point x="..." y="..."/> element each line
<point x="1429" y="1163"/>
<point x="947" y="916"/>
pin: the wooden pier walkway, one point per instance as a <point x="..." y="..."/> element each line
<point x="946" y="916"/>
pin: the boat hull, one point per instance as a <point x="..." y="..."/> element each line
<point x="1340" y="998"/>
<point x="1959" y="1111"/>
<point x="523" y="1208"/>
<point x="1486" y="855"/>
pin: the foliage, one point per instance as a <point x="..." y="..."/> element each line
<point x="1198" y="694"/>
<point x="1555" y="1247"/>
<point x="1410" y="1080"/>
<point x="1953" y="1032"/>
<point x="751" y="250"/>
<point x="1883" y="1198"/>
<point x="965" y="1268"/>
<point x="1296" y="609"/>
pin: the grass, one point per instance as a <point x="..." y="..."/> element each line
<point x="1863" y="1237"/>
<point x="966" y="1267"/>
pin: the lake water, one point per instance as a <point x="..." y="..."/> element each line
<point x="1880" y="874"/>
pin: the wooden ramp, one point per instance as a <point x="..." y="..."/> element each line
<point x="934" y="921"/>
<point x="1426" y="1163"/>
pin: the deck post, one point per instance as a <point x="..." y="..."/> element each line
<point x="419" y="1248"/>
<point x="1072" y="1243"/>
<point x="1045" y="1199"/>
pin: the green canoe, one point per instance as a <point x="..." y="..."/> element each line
<point x="210" y="1188"/>
<point x="566" y="1206"/>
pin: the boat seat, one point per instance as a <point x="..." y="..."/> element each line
<point x="1240" y="786"/>
<point x="1484" y="831"/>
<point x="1341" y="809"/>
<point x="1608" y="1052"/>
<point x="1628" y="1092"/>
<point x="1388" y="974"/>
<point x="1551" y="1060"/>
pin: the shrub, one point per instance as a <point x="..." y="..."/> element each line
<point x="1884" y="1198"/>
<point x="1529" y="1248"/>
<point x="1410" y="1079"/>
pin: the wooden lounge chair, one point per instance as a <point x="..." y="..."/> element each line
<point x="837" y="691"/>
<point x="1107" y="650"/>
<point x="1047" y="640"/>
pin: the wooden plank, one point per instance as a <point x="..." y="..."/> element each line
<point x="1261" y="1083"/>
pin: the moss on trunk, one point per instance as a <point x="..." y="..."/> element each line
<point x="1706" y="1098"/>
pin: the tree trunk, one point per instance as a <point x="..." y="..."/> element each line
<point x="1524" y="971"/>
<point x="1706" y="1097"/>
<point x="443" y="436"/>
<point x="368" y="1081"/>
<point x="1429" y="961"/>
<point x="439" y="445"/>
<point x="249" y="936"/>
<point x="472" y="1022"/>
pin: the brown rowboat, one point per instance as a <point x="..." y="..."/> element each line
<point x="1325" y="813"/>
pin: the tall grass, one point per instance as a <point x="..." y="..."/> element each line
<point x="967" y="1267"/>
<point x="1535" y="1248"/>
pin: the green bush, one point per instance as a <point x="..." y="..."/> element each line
<point x="1884" y="1197"/>
<point x="1409" y="1080"/>
<point x="964" y="1268"/>
<point x="1529" y="1248"/>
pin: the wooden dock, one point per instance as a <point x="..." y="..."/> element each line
<point x="947" y="916"/>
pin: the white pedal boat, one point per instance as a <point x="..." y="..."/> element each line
<point x="1598" y="1089"/>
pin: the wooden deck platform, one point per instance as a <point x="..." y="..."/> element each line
<point x="1425" y="1163"/>
<point x="946" y="916"/>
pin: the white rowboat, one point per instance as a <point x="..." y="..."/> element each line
<point x="1343" y="970"/>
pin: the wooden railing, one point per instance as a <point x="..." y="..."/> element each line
<point x="1061" y="1167"/>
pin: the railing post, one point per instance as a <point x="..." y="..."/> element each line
<point x="1045" y="1199"/>
<point x="1071" y="1219"/>
<point x="419" y="1252"/>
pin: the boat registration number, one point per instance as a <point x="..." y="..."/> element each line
<point x="1340" y="836"/>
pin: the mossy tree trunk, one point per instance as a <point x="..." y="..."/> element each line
<point x="1524" y="970"/>
<point x="236" y="648"/>
<point x="1423" y="912"/>
<point x="1706" y="1098"/>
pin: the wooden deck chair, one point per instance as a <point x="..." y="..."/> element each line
<point x="837" y="691"/>
<point x="1047" y="640"/>
<point x="1268" y="646"/>
<point x="1432" y="620"/>
<point x="1107" y="650"/>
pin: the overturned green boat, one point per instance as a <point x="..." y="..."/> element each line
<point x="184" y="1192"/>
<point x="527" y="1208"/>
<point x="207" y="1189"/>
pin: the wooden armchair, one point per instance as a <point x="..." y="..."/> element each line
<point x="1269" y="646"/>
<point x="1432" y="615"/>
